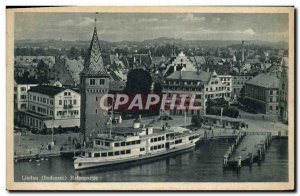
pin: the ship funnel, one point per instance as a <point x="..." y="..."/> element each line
<point x="136" y="124"/>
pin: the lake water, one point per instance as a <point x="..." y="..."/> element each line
<point x="200" y="164"/>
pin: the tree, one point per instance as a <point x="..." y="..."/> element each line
<point x="138" y="81"/>
<point x="196" y="120"/>
<point x="42" y="72"/>
<point x="74" y="53"/>
<point x="157" y="88"/>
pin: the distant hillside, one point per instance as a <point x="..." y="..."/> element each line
<point x="150" y="42"/>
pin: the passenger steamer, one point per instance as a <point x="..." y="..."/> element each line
<point x="125" y="144"/>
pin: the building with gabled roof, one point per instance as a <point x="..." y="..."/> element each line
<point x="201" y="84"/>
<point x="263" y="90"/>
<point x="51" y="107"/>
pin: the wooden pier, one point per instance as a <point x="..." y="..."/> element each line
<point x="249" y="147"/>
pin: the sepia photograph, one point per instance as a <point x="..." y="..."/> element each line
<point x="150" y="98"/>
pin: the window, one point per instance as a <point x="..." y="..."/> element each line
<point x="142" y="149"/>
<point x="271" y="92"/>
<point x="23" y="96"/>
<point x="23" y="106"/>
<point x="65" y="93"/>
<point x="96" y="111"/>
<point x="128" y="151"/>
<point x="128" y="143"/>
<point x="92" y="82"/>
<point x="34" y="98"/>
<point x="101" y="81"/>
<point x="277" y="107"/>
<point x="104" y="154"/>
<point x="97" y="155"/>
<point x="74" y="101"/>
<point x="110" y="154"/>
<point x="271" y="108"/>
<point x="271" y="100"/>
<point x="60" y="102"/>
<point x="23" y="88"/>
<point x="122" y="152"/>
<point x="122" y="143"/>
<point x="117" y="144"/>
<point x="33" y="108"/>
<point x="96" y="98"/>
<point x="106" y="143"/>
<point x="117" y="153"/>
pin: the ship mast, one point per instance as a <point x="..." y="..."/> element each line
<point x="111" y="117"/>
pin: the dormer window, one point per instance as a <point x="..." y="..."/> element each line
<point x="92" y="82"/>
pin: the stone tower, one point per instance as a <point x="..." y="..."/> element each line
<point x="94" y="83"/>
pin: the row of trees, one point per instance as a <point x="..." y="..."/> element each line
<point x="214" y="107"/>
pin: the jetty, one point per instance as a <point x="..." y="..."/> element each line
<point x="249" y="147"/>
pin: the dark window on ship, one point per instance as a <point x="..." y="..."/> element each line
<point x="104" y="154"/>
<point x="151" y="148"/>
<point x="155" y="147"/>
<point x="159" y="147"/>
<point x="142" y="149"/>
<point x="106" y="143"/>
<point x="151" y="139"/>
<point x="127" y="143"/>
<point x="122" y="143"/>
<point x="159" y="138"/>
<point x="117" y="144"/>
<point x="163" y="138"/>
<point x="90" y="154"/>
<point x="155" y="139"/>
<point x="110" y="154"/>
<point x="117" y="153"/>
<point x="97" y="142"/>
<point x="138" y="141"/>
<point x="97" y="155"/>
<point x="123" y="152"/>
<point x="128" y="151"/>
<point x="178" y="141"/>
<point x="163" y="145"/>
<point x="132" y="142"/>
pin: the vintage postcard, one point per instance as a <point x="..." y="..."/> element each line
<point x="150" y="98"/>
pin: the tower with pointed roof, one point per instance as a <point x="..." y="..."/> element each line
<point x="94" y="83"/>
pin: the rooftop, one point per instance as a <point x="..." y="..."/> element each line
<point x="266" y="80"/>
<point x="190" y="75"/>
<point x="47" y="90"/>
<point x="25" y="80"/>
<point x="93" y="65"/>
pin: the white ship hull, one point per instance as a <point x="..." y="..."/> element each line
<point x="84" y="163"/>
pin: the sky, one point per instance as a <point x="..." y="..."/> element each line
<point x="142" y="26"/>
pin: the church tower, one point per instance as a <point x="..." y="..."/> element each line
<point x="94" y="83"/>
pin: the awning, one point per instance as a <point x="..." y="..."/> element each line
<point x="64" y="123"/>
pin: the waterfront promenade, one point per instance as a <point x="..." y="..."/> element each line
<point x="29" y="145"/>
